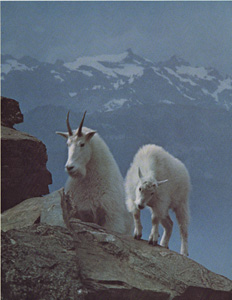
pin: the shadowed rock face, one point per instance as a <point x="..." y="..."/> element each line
<point x="23" y="162"/>
<point x="88" y="262"/>
<point x="10" y="112"/>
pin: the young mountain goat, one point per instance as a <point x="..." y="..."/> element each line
<point x="160" y="181"/>
<point x="95" y="182"/>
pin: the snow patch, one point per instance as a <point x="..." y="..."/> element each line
<point x="226" y="84"/>
<point x="157" y="71"/>
<point x="115" y="104"/>
<point x="199" y="72"/>
<point x="118" y="84"/>
<point x="87" y="73"/>
<point x="90" y="62"/>
<point x="127" y="70"/>
<point x="182" y="79"/>
<point x="14" y="65"/>
<point x="167" y="102"/>
<point x="58" y="77"/>
<point x="97" y="87"/>
<point x="72" y="94"/>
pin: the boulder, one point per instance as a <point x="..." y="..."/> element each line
<point x="24" y="172"/>
<point x="51" y="212"/>
<point x="10" y="112"/>
<point x="39" y="262"/>
<point x="23" y="161"/>
<point x="45" y="209"/>
<point x="88" y="262"/>
<point x="22" y="215"/>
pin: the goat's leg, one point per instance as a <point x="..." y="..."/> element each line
<point x="138" y="225"/>
<point x="182" y="216"/>
<point x="168" y="225"/>
<point x="154" y="235"/>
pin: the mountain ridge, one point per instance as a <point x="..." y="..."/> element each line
<point x="109" y="82"/>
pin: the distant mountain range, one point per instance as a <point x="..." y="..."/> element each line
<point x="110" y="82"/>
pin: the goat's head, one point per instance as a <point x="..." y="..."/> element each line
<point x="146" y="190"/>
<point x="79" y="148"/>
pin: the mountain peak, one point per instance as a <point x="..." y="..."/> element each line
<point x="129" y="51"/>
<point x="178" y="60"/>
<point x="29" y="61"/>
<point x="173" y="62"/>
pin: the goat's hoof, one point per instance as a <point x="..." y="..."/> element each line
<point x="137" y="236"/>
<point x="154" y="243"/>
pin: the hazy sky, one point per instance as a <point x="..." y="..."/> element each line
<point x="200" y="32"/>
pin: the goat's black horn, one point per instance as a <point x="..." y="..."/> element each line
<point x="68" y="125"/>
<point x="79" y="132"/>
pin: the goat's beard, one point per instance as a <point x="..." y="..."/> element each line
<point x="79" y="172"/>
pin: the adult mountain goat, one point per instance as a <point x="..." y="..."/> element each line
<point x="95" y="182"/>
<point x="160" y="181"/>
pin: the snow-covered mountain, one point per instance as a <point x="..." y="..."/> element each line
<point x="109" y="82"/>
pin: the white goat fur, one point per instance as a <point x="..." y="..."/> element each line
<point x="96" y="187"/>
<point x="160" y="181"/>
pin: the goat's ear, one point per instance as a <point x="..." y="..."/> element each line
<point x="63" y="134"/>
<point x="161" y="182"/>
<point x="89" y="135"/>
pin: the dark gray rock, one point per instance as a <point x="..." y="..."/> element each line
<point x="45" y="209"/>
<point x="22" y="215"/>
<point x="39" y="262"/>
<point x="51" y="212"/>
<point x="10" y="112"/>
<point x="24" y="172"/>
<point x="23" y="159"/>
<point x="48" y="262"/>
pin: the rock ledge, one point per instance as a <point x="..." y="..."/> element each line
<point x="48" y="262"/>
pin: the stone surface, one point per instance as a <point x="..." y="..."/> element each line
<point x="22" y="215"/>
<point x="39" y="263"/>
<point x="85" y="261"/>
<point x="10" y="112"/>
<point x="45" y="209"/>
<point x="24" y="172"/>
<point x="51" y="212"/>
<point x="49" y="262"/>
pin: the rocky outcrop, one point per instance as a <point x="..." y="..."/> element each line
<point x="48" y="262"/>
<point x="87" y="262"/>
<point x="39" y="262"/>
<point x="45" y="209"/>
<point x="22" y="215"/>
<point x="23" y="162"/>
<point x="10" y="112"/>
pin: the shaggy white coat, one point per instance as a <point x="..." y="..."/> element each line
<point x="160" y="181"/>
<point x="100" y="194"/>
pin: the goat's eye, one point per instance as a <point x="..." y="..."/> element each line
<point x="152" y="193"/>
<point x="140" y="189"/>
<point x="82" y="144"/>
